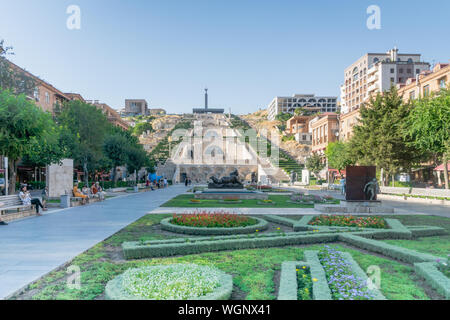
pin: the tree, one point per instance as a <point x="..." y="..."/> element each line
<point x="428" y="125"/>
<point x="315" y="164"/>
<point x="379" y="139"/>
<point x="11" y="78"/>
<point x="25" y="130"/>
<point x="87" y="126"/>
<point x="142" y="127"/>
<point x="137" y="158"/>
<point x="116" y="149"/>
<point x="338" y="156"/>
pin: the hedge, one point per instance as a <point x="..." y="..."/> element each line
<point x="166" y="225"/>
<point x="288" y="280"/>
<point x="358" y="272"/>
<point x="321" y="291"/>
<point x="115" y="291"/>
<point x="399" y="253"/>
<point x="430" y="272"/>
<point x="136" y="250"/>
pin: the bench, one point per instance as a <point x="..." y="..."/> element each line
<point x="12" y="203"/>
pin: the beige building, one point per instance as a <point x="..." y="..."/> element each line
<point x="112" y="115"/>
<point x="371" y="74"/>
<point x="426" y="83"/>
<point x="299" y="127"/>
<point x="324" y="129"/>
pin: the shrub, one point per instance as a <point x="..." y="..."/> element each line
<point x="349" y="221"/>
<point x="212" y="220"/>
<point x="171" y="282"/>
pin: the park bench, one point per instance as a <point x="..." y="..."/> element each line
<point x="12" y="203"/>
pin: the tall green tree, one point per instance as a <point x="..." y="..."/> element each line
<point x="25" y="130"/>
<point x="378" y="139"/>
<point x="338" y="156"/>
<point x="428" y="125"/>
<point x="87" y="127"/>
<point x="13" y="79"/>
<point x="315" y="164"/>
<point x="116" y="149"/>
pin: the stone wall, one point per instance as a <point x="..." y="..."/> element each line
<point x="416" y="191"/>
<point x="60" y="178"/>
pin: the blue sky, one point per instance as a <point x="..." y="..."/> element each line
<point x="245" y="51"/>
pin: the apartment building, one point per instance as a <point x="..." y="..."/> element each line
<point x="44" y="94"/>
<point x="324" y="129"/>
<point x="307" y="101"/>
<point x="299" y="127"/>
<point x="426" y="83"/>
<point x="112" y="115"/>
<point x="371" y="74"/>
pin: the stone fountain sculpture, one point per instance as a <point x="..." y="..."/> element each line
<point x="230" y="182"/>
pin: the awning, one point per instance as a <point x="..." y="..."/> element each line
<point x="441" y="167"/>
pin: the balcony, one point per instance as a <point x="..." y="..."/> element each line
<point x="372" y="78"/>
<point x="372" y="70"/>
<point x="373" y="87"/>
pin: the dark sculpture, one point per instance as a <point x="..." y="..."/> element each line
<point x="231" y="182"/>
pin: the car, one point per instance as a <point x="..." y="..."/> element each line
<point x="2" y="186"/>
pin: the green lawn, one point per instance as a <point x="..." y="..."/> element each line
<point x="281" y="201"/>
<point x="254" y="271"/>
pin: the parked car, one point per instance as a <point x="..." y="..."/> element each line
<point x="2" y="186"/>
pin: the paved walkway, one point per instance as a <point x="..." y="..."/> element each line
<point x="32" y="247"/>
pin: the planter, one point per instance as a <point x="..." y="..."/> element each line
<point x="167" y="226"/>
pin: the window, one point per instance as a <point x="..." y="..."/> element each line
<point x="36" y="94"/>
<point x="400" y="80"/>
<point x="426" y="90"/>
<point x="417" y="71"/>
<point x="442" y="84"/>
<point x="392" y="80"/>
<point x="47" y="98"/>
<point x="412" y="95"/>
<point x="392" y="70"/>
<point x="401" y="70"/>
<point x="410" y="60"/>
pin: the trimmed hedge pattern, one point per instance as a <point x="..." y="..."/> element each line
<point x="288" y="278"/>
<point x="321" y="291"/>
<point x="136" y="250"/>
<point x="402" y="254"/>
<point x="166" y="225"/>
<point x="358" y="272"/>
<point x="434" y="277"/>
<point x="115" y="291"/>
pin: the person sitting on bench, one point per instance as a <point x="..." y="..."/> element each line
<point x="25" y="196"/>
<point x="2" y="223"/>
<point x="78" y="194"/>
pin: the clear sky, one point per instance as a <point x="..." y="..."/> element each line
<point x="245" y="51"/>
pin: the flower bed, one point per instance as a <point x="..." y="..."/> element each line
<point x="266" y="202"/>
<point x="217" y="219"/>
<point x="166" y="224"/>
<point x="304" y="283"/>
<point x="349" y="221"/>
<point x="171" y="282"/>
<point x="343" y="283"/>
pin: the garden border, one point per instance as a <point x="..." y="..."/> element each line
<point x="439" y="281"/>
<point x="167" y="226"/>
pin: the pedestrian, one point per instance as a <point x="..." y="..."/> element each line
<point x="166" y="183"/>
<point x="186" y="182"/>
<point x="25" y="196"/>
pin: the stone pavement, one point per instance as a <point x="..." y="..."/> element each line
<point x="33" y="247"/>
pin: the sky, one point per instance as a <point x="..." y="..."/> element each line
<point x="245" y="51"/>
